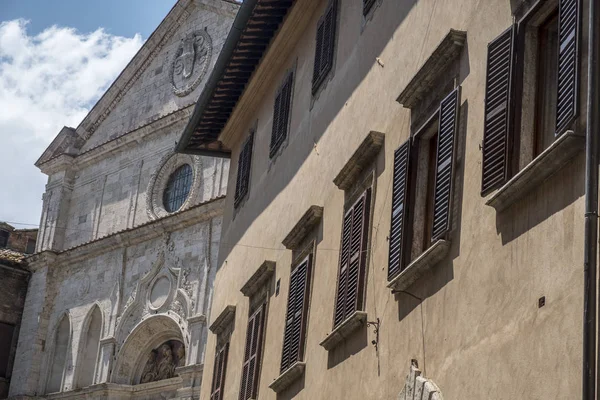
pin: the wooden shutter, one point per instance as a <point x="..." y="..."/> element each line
<point x="243" y="173"/>
<point x="448" y="124"/>
<point x="498" y="113"/>
<point x="399" y="209"/>
<point x="281" y="114"/>
<point x="367" y="5"/>
<point x="349" y="297"/>
<point x="569" y="16"/>
<point x="218" y="382"/>
<point x="297" y="311"/>
<point x="325" y="43"/>
<point x="251" y="366"/>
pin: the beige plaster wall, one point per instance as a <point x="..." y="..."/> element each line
<point x="478" y="333"/>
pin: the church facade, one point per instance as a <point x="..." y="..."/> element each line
<point x="121" y="281"/>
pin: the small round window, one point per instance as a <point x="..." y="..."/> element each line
<point x="178" y="188"/>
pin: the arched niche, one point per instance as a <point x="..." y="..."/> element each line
<point x="137" y="349"/>
<point x="88" y="348"/>
<point x="59" y="355"/>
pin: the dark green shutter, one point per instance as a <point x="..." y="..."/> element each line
<point x="399" y="209"/>
<point x="219" y="370"/>
<point x="251" y="366"/>
<point x="281" y="114"/>
<point x="243" y="172"/>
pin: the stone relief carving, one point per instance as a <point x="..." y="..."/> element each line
<point x="158" y="181"/>
<point x="84" y="286"/>
<point x="418" y="387"/>
<point x="162" y="361"/>
<point x="190" y="62"/>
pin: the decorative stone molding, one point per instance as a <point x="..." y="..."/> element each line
<point x="362" y="157"/>
<point x="427" y="260"/>
<point x="344" y="330"/>
<point x="564" y="148"/>
<point x="288" y="377"/>
<point x="306" y="224"/>
<point x="158" y="182"/>
<point x="190" y="62"/>
<point x="223" y="320"/>
<point x="258" y="279"/>
<point x="447" y="51"/>
<point x="417" y="387"/>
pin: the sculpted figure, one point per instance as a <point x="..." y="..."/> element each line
<point x="149" y="373"/>
<point x="166" y="365"/>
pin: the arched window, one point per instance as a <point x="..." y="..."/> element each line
<point x="178" y="188"/>
<point x="59" y="356"/>
<point x="89" y="349"/>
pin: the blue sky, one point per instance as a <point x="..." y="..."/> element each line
<point x="57" y="57"/>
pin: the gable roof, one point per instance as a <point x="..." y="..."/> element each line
<point x="253" y="30"/>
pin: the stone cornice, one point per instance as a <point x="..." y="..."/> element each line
<point x="307" y="223"/>
<point x="223" y="320"/>
<point x="129" y="237"/>
<point x="362" y="157"/>
<point x="43" y="259"/>
<point x="258" y="278"/>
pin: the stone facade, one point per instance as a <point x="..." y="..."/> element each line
<point x="120" y="289"/>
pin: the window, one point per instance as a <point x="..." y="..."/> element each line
<point x="252" y="353"/>
<point x="4" y="238"/>
<point x="531" y="89"/>
<point x="367" y="5"/>
<point x="422" y="187"/>
<point x="281" y="114"/>
<point x="353" y="256"/>
<point x="324" y="49"/>
<point x="297" y="312"/>
<point x="6" y="336"/>
<point x="30" y="246"/>
<point x="220" y="367"/>
<point x="178" y="188"/>
<point x="243" y="172"/>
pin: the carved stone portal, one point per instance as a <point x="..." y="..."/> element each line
<point x="162" y="361"/>
<point x="418" y="387"/>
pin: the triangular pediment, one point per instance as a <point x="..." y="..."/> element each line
<point x="166" y="75"/>
<point x="66" y="142"/>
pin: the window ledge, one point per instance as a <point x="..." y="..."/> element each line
<point x="288" y="377"/>
<point x="344" y="330"/>
<point x="420" y="265"/>
<point x="543" y="166"/>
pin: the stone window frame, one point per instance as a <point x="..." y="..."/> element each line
<point x="82" y="343"/>
<point x="52" y="349"/>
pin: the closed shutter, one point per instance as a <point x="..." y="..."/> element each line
<point x="281" y="114"/>
<point x="367" y="5"/>
<point x="218" y="383"/>
<point x="297" y="311"/>
<point x="324" y="48"/>
<point x="448" y="124"/>
<point x="498" y="113"/>
<point x="349" y="297"/>
<point x="569" y="16"/>
<point x="251" y="367"/>
<point x="399" y="209"/>
<point x="244" y="167"/>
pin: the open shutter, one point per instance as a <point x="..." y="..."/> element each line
<point x="220" y="367"/>
<point x="448" y="124"/>
<point x="350" y="289"/>
<point x="399" y="209"/>
<point x="251" y="366"/>
<point x="297" y="309"/>
<point x="569" y="16"/>
<point x="498" y="115"/>
<point x="243" y="174"/>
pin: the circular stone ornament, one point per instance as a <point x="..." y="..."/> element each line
<point x="190" y="62"/>
<point x="166" y="169"/>
<point x="160" y="292"/>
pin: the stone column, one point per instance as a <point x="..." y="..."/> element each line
<point x="105" y="359"/>
<point x="55" y="209"/>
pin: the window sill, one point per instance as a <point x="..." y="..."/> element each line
<point x="344" y="330"/>
<point x="543" y="166"/>
<point x="420" y="265"/>
<point x="288" y="377"/>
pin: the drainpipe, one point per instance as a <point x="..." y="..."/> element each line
<point x="591" y="206"/>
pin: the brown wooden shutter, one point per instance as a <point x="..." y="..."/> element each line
<point x="367" y="5"/>
<point x="297" y="312"/>
<point x="218" y="383"/>
<point x="399" y="209"/>
<point x="244" y="167"/>
<point x="251" y="366"/>
<point x="281" y="114"/>
<point x="447" y="130"/>
<point x="325" y="43"/>
<point x="569" y="21"/>
<point x="349" y="297"/>
<point x="497" y="128"/>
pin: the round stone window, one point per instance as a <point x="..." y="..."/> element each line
<point x="178" y="188"/>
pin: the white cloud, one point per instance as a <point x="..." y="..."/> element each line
<point x="47" y="81"/>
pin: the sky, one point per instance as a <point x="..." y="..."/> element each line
<point x="56" y="59"/>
